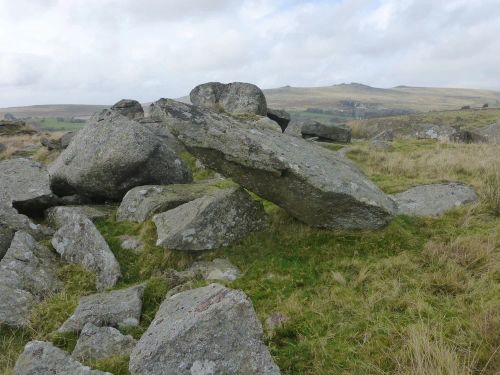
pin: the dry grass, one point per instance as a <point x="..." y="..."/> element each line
<point x="17" y="142"/>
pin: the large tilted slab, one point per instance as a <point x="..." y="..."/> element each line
<point x="309" y="182"/>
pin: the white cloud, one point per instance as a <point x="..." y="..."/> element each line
<point x="98" y="51"/>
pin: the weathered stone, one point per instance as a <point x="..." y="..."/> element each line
<point x="10" y="218"/>
<point x="467" y="136"/>
<point x="118" y="308"/>
<point x="102" y="342"/>
<point x="51" y="144"/>
<point x="24" y="184"/>
<point x="113" y="154"/>
<point x="66" y="139"/>
<point x="326" y="132"/>
<point x="280" y="116"/>
<point x="61" y="215"/>
<point x="80" y="242"/>
<point x="210" y="330"/>
<point x="236" y="97"/>
<point x="432" y="200"/>
<point x="14" y="127"/>
<point x="218" y="270"/>
<point x="380" y="145"/>
<point x="129" y="108"/>
<point x="142" y="202"/>
<point x="210" y="222"/>
<point x="6" y="235"/>
<point x="131" y="243"/>
<point x="311" y="183"/>
<point x="27" y="274"/>
<point x="42" y="358"/>
<point x="386" y="135"/>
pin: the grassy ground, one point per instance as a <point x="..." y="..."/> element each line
<point x="421" y="296"/>
<point x="53" y="124"/>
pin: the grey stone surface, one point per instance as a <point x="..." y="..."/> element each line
<point x="326" y="132"/>
<point x="210" y="222"/>
<point x="80" y="242"/>
<point x="235" y="97"/>
<point x="380" y="145"/>
<point x="25" y="185"/>
<point x="280" y="116"/>
<point x="61" y="215"/>
<point x="142" y="202"/>
<point x="10" y="218"/>
<point x="433" y="200"/>
<point x="102" y="342"/>
<point x="118" y="308"/>
<point x="386" y="135"/>
<point x="67" y="138"/>
<point x="42" y="358"/>
<point x="113" y="154"/>
<point x="218" y="269"/>
<point x="129" y="108"/>
<point x="27" y="275"/>
<point x="209" y="330"/>
<point x="311" y="183"/>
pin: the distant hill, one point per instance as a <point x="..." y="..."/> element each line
<point x="330" y="103"/>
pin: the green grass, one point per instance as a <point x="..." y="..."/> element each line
<point x="420" y="296"/>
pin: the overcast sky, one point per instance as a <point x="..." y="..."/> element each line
<point x="99" y="51"/>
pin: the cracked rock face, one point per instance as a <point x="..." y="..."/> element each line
<point x="118" y="308"/>
<point x="27" y="275"/>
<point x="236" y="97"/>
<point x="40" y="358"/>
<point x="311" y="183"/>
<point x="215" y="220"/>
<point x="113" y="154"/>
<point x="209" y="330"/>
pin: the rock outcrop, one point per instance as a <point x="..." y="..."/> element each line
<point x="111" y="155"/>
<point x="311" y="183"/>
<point x="129" y="108"/>
<point x="143" y="202"/>
<point x="27" y="275"/>
<point x="433" y="200"/>
<point x="102" y="342"/>
<point x="118" y="308"/>
<point x="326" y="132"/>
<point x="235" y="97"/>
<point x="210" y="222"/>
<point x="25" y="185"/>
<point x="280" y="116"/>
<point x="42" y="358"/>
<point x="210" y="330"/>
<point x="79" y="242"/>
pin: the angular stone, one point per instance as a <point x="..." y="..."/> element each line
<point x="24" y="184"/>
<point x="209" y="330"/>
<point x="311" y="183"/>
<point x="102" y="342"/>
<point x="280" y="116"/>
<point x="143" y="202"/>
<point x="216" y="270"/>
<point x="129" y="108"/>
<point x="326" y="132"/>
<point x="235" y="97"/>
<point x="80" y="242"/>
<point x="213" y="221"/>
<point x="42" y="358"/>
<point x="118" y="308"/>
<point x="61" y="215"/>
<point x="113" y="154"/>
<point x="433" y="200"/>
<point x="27" y="275"/>
<point x="2" y="148"/>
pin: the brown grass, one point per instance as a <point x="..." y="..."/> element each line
<point x="17" y="142"/>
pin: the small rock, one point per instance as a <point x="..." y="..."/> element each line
<point x="210" y="222"/>
<point x="42" y="358"/>
<point x="80" y="242"/>
<point x="118" y="308"/>
<point x="143" y="202"/>
<point x="218" y="269"/>
<point x="130" y="243"/>
<point x="129" y="108"/>
<point x="211" y="329"/>
<point x="433" y="200"/>
<point x="326" y="132"/>
<point x="381" y="145"/>
<point x="280" y="116"/>
<point x="61" y="215"/>
<point x="102" y="342"/>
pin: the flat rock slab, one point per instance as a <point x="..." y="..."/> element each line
<point x="326" y="132"/>
<point x="213" y="221"/>
<point x="118" y="308"/>
<point x="102" y="342"/>
<point x="25" y="185"/>
<point x="433" y="200"/>
<point x="143" y="202"/>
<point x="209" y="330"/>
<point x="80" y="242"/>
<point x="311" y="183"/>
<point x="41" y="358"/>
<point x="27" y="275"/>
<point x="113" y="154"/>
<point x="61" y="215"/>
